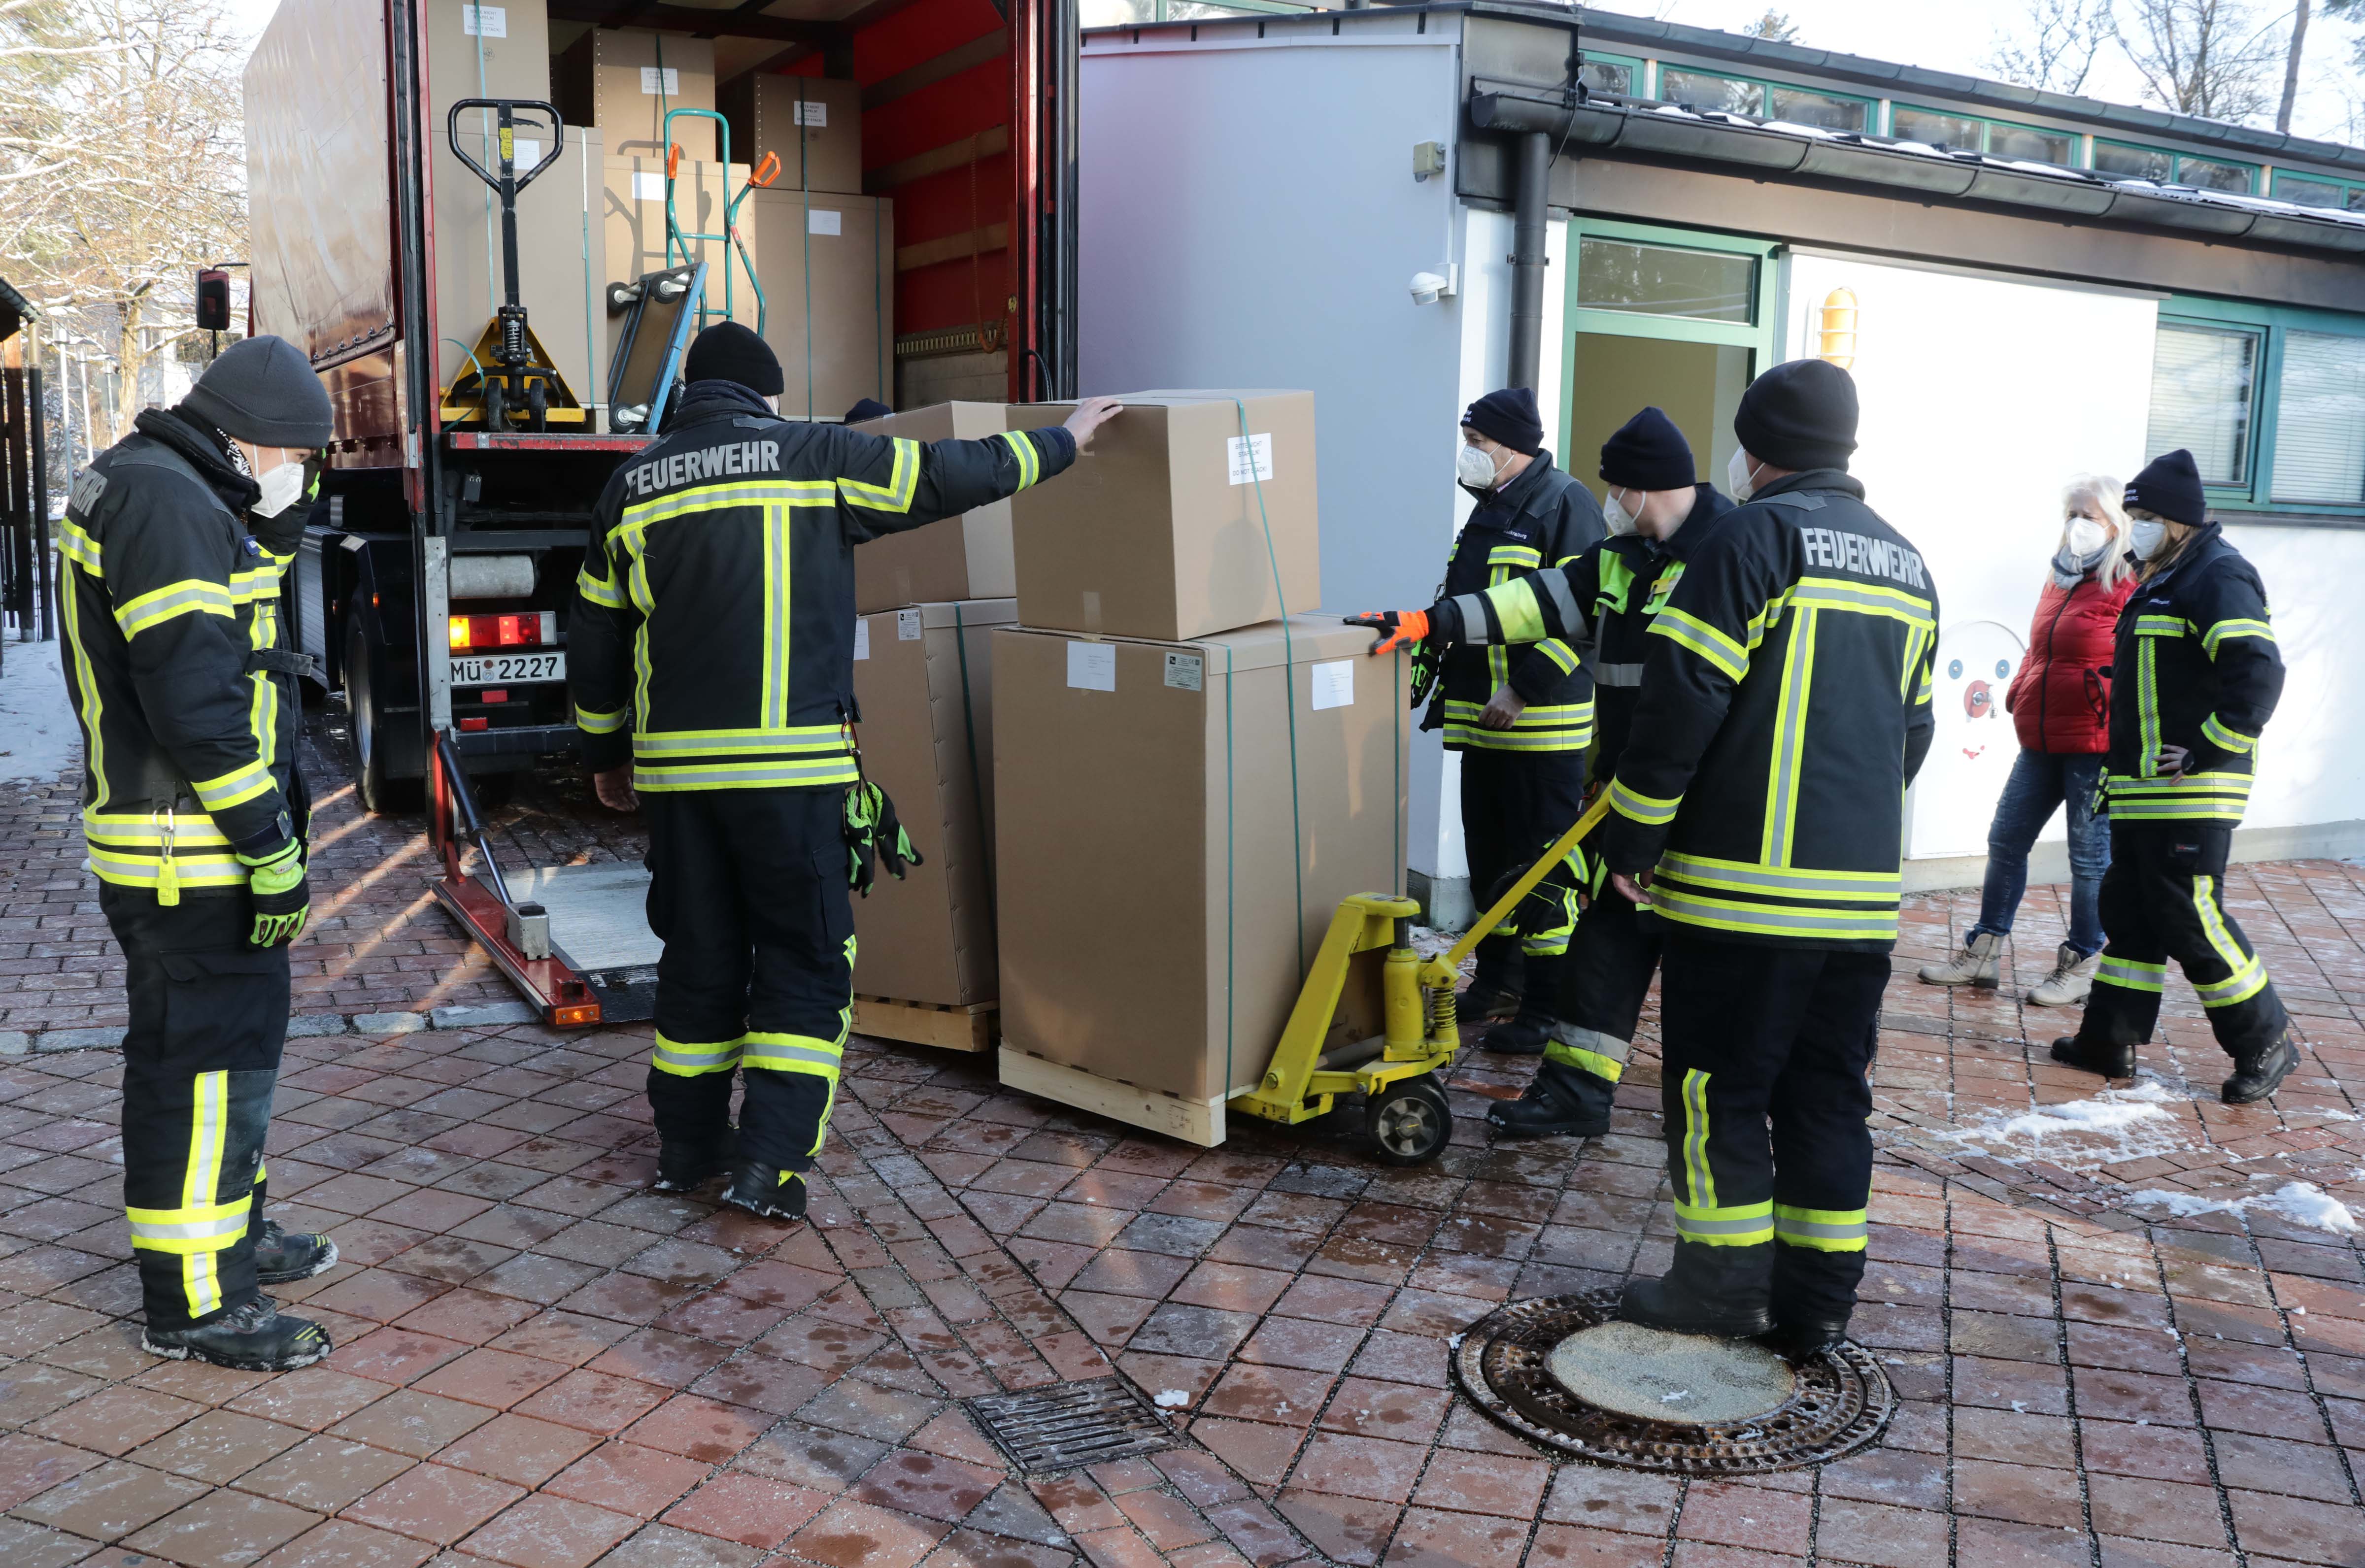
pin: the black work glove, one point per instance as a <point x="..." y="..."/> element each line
<point x="1546" y="903"/>
<point x="874" y="836"/>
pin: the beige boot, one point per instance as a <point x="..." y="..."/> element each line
<point x="1975" y="965"/>
<point x="2071" y="979"/>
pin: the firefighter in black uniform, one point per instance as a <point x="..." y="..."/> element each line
<point x="174" y="540"/>
<point x="2198" y="679"/>
<point x="711" y="655"/>
<point x="1759" y="800"/>
<point x="1602" y="602"/>
<point x="1520" y="719"/>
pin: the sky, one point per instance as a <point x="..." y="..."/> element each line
<point x="1948" y="35"/>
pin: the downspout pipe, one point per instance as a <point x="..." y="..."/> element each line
<point x="1528" y="259"/>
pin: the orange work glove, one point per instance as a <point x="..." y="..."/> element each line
<point x="1399" y="629"/>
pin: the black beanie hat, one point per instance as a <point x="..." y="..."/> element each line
<point x="262" y="390"/>
<point x="1799" y="415"/>
<point x="867" y="408"/>
<point x="729" y="351"/>
<point x="1648" y="453"/>
<point x="2169" y="487"/>
<point x="1508" y="415"/>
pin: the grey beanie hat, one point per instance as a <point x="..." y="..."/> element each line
<point x="262" y="390"/>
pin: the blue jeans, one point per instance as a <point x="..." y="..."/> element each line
<point x="2040" y="781"/>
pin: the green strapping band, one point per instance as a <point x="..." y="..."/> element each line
<point x="1288" y="685"/>
<point x="1230" y="879"/>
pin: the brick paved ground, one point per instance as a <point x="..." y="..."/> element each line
<point x="540" y="1363"/>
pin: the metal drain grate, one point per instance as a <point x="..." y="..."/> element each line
<point x="1840" y="1404"/>
<point x="1071" y="1424"/>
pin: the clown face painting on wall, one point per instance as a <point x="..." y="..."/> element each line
<point x="1973" y="751"/>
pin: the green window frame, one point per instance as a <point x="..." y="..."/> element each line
<point x="1636" y="86"/>
<point x="1757" y="334"/>
<point x="2274" y="326"/>
<point x="2346" y="195"/>
<point x="2188" y="168"/>
<point x="1766" y="90"/>
<point x="1987" y="132"/>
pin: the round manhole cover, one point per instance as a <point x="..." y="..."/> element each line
<point x="1560" y="1373"/>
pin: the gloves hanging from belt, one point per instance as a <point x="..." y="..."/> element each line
<point x="874" y="836"/>
<point x="280" y="894"/>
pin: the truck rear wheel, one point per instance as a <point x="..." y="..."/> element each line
<point x="380" y="794"/>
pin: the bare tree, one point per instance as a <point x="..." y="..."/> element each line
<point x="121" y="165"/>
<point x="2344" y="9"/>
<point x="2210" y="58"/>
<point x="1773" y="26"/>
<point x="2056" y="45"/>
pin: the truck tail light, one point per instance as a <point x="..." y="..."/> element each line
<point x="529" y="629"/>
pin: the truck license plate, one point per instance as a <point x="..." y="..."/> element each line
<point x="509" y="669"/>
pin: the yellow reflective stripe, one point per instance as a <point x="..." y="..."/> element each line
<point x="1514" y="555"/>
<point x="1789" y="739"/>
<point x="1782" y="882"/>
<point x="2131" y="974"/>
<point x="1030" y="460"/>
<point x="2159" y="626"/>
<point x="778" y="774"/>
<point x="602" y="590"/>
<point x="1823" y="1230"/>
<point x="255" y="584"/>
<point x="209" y="1117"/>
<point x="188" y="597"/>
<point x="901" y="484"/>
<point x="1689" y="631"/>
<point x="2248" y="976"/>
<point x="123" y="828"/>
<point x="1550" y="713"/>
<point x="1560" y="653"/>
<point x="1648" y="809"/>
<point x="692" y="1060"/>
<point x="1472" y="738"/>
<point x="592" y="724"/>
<point x="193" y="1227"/>
<point x="1584" y="1060"/>
<point x="87" y="692"/>
<point x="1864" y="598"/>
<point x="792" y="1053"/>
<point x="1516" y="609"/>
<point x="2225" y="629"/>
<point x="79" y="547"/>
<point x="2206" y="809"/>
<point x="2216" y="781"/>
<point x="140" y="870"/>
<point x="778" y="582"/>
<point x="2146" y="709"/>
<point x="795" y="739"/>
<point x="2232" y="739"/>
<point x="1700" y="1182"/>
<point x="234" y="788"/>
<point x="1678" y="904"/>
<point x="632" y="527"/>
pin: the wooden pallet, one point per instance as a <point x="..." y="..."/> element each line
<point x="1194" y="1121"/>
<point x="970" y="1028"/>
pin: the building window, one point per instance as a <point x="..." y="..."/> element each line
<point x="2201" y="383"/>
<point x="2301" y="191"/>
<point x="1665" y="280"/>
<point x="2320" y="420"/>
<point x="1934" y="130"/>
<point x="2208" y="175"/>
<point x="1604" y="73"/>
<point x="2125" y="162"/>
<point x="1711" y="93"/>
<point x="1800" y="107"/>
<point x="2029" y="145"/>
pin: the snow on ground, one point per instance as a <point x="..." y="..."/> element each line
<point x="2077" y="1135"/>
<point x="2303" y="1203"/>
<point x="38" y="739"/>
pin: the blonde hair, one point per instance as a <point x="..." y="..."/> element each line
<point x="2106" y="493"/>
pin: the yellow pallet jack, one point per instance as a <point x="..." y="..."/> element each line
<point x="1366" y="974"/>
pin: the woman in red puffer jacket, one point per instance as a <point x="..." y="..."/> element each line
<point x="2060" y="704"/>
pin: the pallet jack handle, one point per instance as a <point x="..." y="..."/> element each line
<point x="456" y="779"/>
<point x="508" y="182"/>
<point x="1442" y="969"/>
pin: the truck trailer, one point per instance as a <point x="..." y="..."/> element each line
<point x="434" y="584"/>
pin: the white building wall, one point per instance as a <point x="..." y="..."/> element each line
<point x="1250" y="218"/>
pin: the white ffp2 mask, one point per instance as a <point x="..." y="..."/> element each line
<point x="1737" y="474"/>
<point x="1475" y="466"/>
<point x="2086" y="537"/>
<point x="1614" y="513"/>
<point x="2146" y="538"/>
<point x="281" y="490"/>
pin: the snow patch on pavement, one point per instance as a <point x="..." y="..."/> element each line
<point x="2303" y="1203"/>
<point x="2115" y="1124"/>
<point x="38" y="738"/>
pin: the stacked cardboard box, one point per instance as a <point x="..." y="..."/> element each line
<point x="811" y="124"/>
<point x="828" y="265"/>
<point x="626" y="81"/>
<point x="1186" y="782"/>
<point x="929" y="602"/>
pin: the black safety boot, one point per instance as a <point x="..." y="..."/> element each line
<point x="762" y="1191"/>
<point x="1484" y="1000"/>
<point x="1553" y="1107"/>
<point x="281" y="1259"/>
<point x="2258" y="1071"/>
<point x="1797" y="1339"/>
<point x="250" y="1337"/>
<point x="1524" y="1035"/>
<point x="684" y="1167"/>
<point x="1497" y="983"/>
<point x="1719" y="1291"/>
<point x="2111" y="1061"/>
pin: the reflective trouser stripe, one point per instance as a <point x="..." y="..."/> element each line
<point x="203" y="1226"/>
<point x="2131" y="974"/>
<point x="1824" y="1230"/>
<point x="1699" y="1181"/>
<point x="690" y="1061"/>
<point x="791" y="1052"/>
<point x="1745" y="1225"/>
<point x="2248" y="976"/>
<point x="1588" y="1050"/>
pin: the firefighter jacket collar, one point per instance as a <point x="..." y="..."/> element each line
<point x="726" y="397"/>
<point x="2204" y="543"/>
<point x="1838" y="479"/>
<point x="203" y="450"/>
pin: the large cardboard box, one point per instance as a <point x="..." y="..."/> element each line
<point x="923" y="675"/>
<point x="633" y="220"/>
<point x="1161" y="530"/>
<point x="814" y="124"/>
<point x="487" y="51"/>
<point x="626" y="81"/>
<point x="562" y="257"/>
<point x="966" y="556"/>
<point x="836" y="337"/>
<point x="1158" y="894"/>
